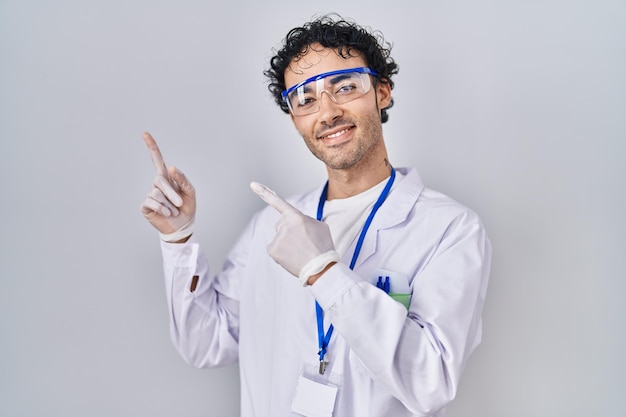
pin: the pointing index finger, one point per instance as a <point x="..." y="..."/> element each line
<point x="271" y="198"/>
<point x="155" y="154"/>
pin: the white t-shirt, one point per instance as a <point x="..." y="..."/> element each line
<point x="346" y="216"/>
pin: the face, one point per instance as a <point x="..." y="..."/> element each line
<point x="347" y="135"/>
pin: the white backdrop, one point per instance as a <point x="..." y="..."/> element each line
<point x="515" y="108"/>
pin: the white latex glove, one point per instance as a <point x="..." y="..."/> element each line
<point x="302" y="245"/>
<point x="171" y="204"/>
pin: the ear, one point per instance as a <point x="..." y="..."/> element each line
<point x="383" y="93"/>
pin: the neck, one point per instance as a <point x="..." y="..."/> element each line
<point x="349" y="182"/>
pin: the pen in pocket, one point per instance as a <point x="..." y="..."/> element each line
<point x="383" y="285"/>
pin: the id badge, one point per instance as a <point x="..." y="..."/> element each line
<point x="315" y="394"/>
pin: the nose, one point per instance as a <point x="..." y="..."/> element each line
<point x="329" y="109"/>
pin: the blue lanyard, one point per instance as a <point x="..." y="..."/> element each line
<point x="324" y="340"/>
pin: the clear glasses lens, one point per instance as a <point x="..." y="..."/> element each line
<point x="341" y="88"/>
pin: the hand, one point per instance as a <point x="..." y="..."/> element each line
<point x="302" y="245"/>
<point x="171" y="204"/>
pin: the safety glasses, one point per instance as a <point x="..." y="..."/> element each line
<point x="341" y="86"/>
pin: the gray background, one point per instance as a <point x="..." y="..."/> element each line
<point x="515" y="108"/>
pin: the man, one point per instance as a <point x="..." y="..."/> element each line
<point x="360" y="298"/>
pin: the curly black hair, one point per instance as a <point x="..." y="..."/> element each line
<point x="332" y="31"/>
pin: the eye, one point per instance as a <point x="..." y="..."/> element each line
<point x="303" y="100"/>
<point x="346" y="87"/>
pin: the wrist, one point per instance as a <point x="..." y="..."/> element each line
<point x="180" y="236"/>
<point x="183" y="240"/>
<point x="315" y="277"/>
<point x="317" y="265"/>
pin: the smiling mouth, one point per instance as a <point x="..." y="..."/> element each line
<point x="336" y="134"/>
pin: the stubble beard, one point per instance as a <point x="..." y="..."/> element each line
<point x="350" y="154"/>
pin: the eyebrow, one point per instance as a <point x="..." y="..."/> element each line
<point x="339" y="78"/>
<point x="306" y="88"/>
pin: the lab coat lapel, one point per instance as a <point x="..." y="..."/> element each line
<point x="394" y="211"/>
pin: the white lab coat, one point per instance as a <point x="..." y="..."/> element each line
<point x="388" y="362"/>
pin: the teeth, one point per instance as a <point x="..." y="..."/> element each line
<point x="337" y="134"/>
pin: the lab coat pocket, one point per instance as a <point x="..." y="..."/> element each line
<point x="396" y="284"/>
